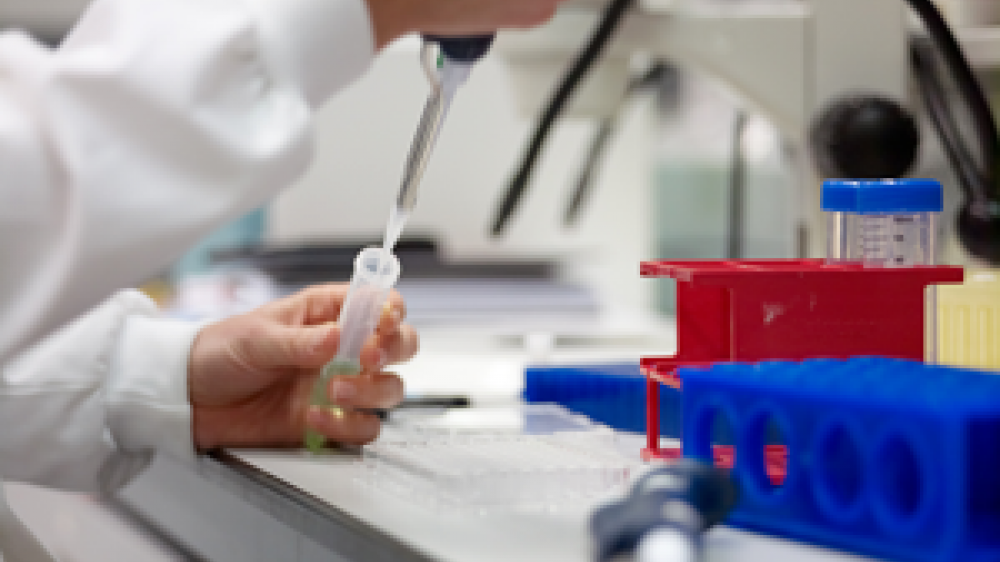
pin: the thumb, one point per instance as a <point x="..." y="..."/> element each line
<point x="279" y="345"/>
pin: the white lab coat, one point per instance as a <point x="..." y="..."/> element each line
<point x="155" y="121"/>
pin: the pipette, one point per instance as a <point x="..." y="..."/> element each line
<point x="447" y="68"/>
<point x="666" y="514"/>
<point x="375" y="272"/>
<point x="376" y="269"/>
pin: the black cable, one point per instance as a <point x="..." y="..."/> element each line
<point x="978" y="224"/>
<point x="972" y="95"/>
<point x="599" y="144"/>
<point x="609" y="23"/>
<point x="595" y="154"/>
<point x="933" y="93"/>
<point x="737" y="190"/>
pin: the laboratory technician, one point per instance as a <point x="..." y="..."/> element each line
<point x="154" y="122"/>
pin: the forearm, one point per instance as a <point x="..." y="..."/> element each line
<point x="88" y="406"/>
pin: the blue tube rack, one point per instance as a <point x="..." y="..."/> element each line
<point x="613" y="394"/>
<point x="886" y="457"/>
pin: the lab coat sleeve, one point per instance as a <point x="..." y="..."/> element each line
<point x="152" y="123"/>
<point x="88" y="407"/>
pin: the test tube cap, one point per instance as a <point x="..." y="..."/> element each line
<point x="378" y="267"/>
<point x="883" y="196"/>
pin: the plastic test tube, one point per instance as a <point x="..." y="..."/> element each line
<point x="886" y="223"/>
<point x="882" y="223"/>
<point x="375" y="272"/>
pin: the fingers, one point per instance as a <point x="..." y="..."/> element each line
<point x="301" y="332"/>
<point x="393" y="314"/>
<point x="343" y="425"/>
<point x="315" y="305"/>
<point x="271" y="345"/>
<point x="400" y="346"/>
<point x="350" y="421"/>
<point x="321" y="304"/>
<point x="390" y="348"/>
<point x="366" y="391"/>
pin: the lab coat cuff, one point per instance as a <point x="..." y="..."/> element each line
<point x="149" y="409"/>
<point x="319" y="45"/>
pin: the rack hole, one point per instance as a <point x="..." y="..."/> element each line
<point x="767" y="444"/>
<point x="775" y="458"/>
<point x="900" y="481"/>
<point x="723" y="441"/>
<point x="839" y="467"/>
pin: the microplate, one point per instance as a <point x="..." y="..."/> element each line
<point x="563" y="461"/>
<point x="519" y="419"/>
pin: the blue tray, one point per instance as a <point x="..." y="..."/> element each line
<point x="891" y="458"/>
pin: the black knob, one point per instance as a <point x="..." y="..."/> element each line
<point x="979" y="230"/>
<point x="463" y="49"/>
<point x="864" y="137"/>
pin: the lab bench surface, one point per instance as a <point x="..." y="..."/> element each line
<point x="250" y="506"/>
<point x="289" y="506"/>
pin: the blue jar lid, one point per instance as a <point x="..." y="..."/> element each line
<point x="883" y="196"/>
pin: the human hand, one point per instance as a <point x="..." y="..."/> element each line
<point x="250" y="376"/>
<point x="394" y="18"/>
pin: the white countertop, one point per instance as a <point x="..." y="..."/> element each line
<point x="491" y="369"/>
<point x="524" y="536"/>
<point x="254" y="505"/>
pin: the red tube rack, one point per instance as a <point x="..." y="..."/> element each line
<point x="763" y="310"/>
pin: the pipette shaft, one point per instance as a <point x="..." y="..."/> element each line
<point x="446" y="72"/>
<point x="376" y="269"/>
